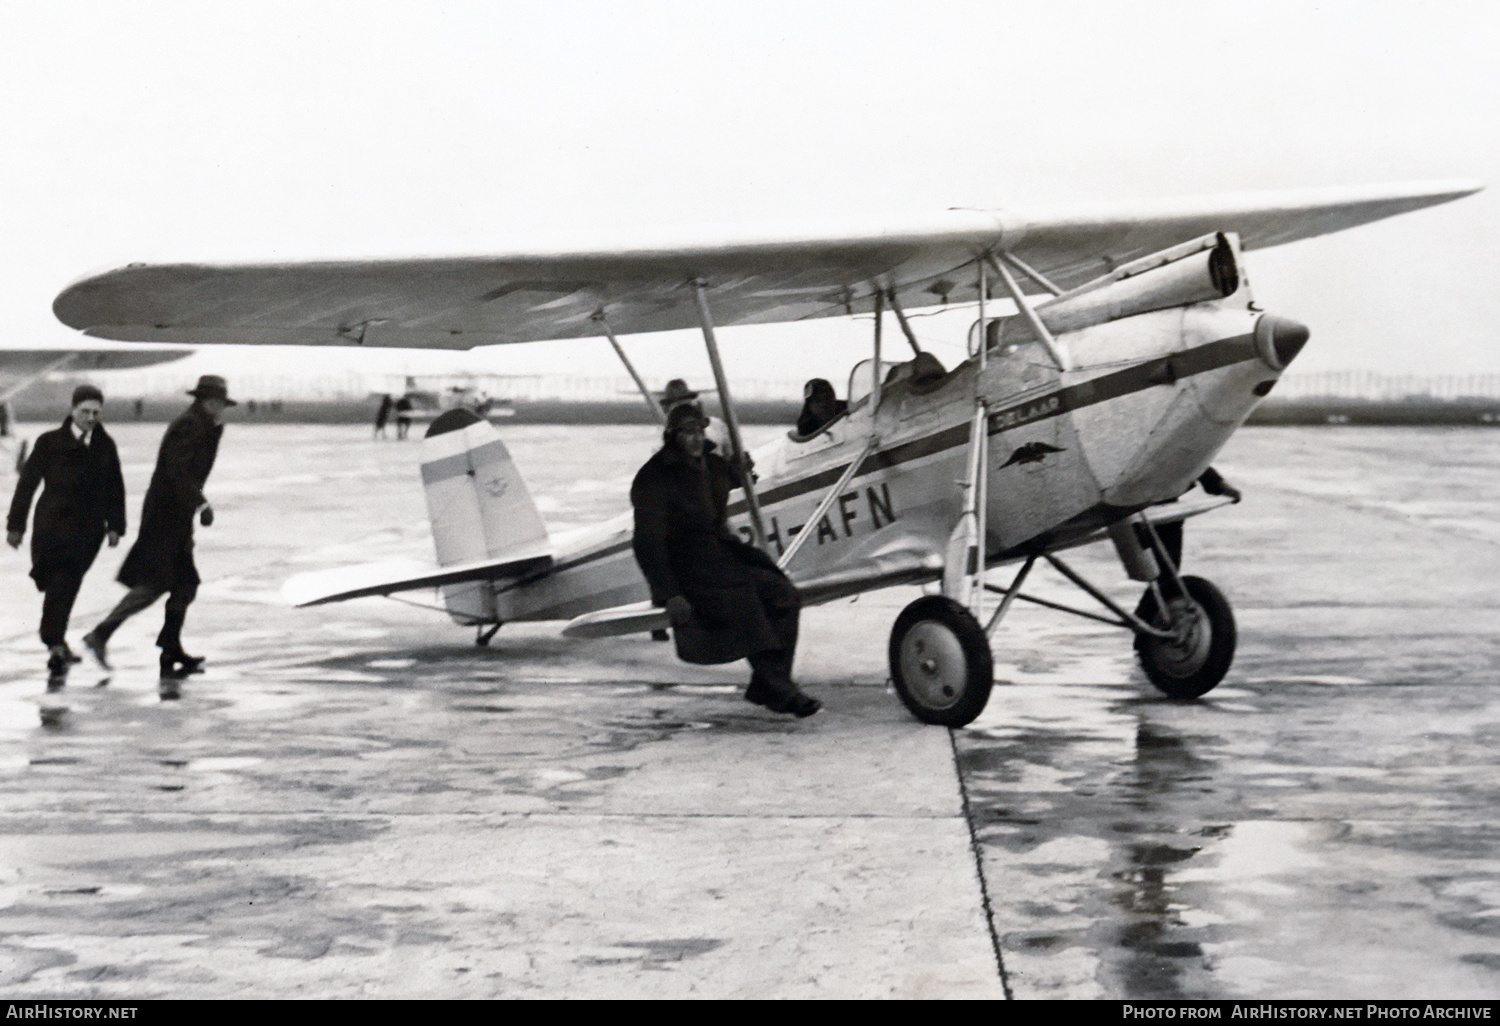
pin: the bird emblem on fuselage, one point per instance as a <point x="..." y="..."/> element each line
<point x="1031" y="452"/>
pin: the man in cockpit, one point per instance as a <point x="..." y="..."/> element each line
<point x="820" y="407"/>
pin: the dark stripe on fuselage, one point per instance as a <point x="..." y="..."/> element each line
<point x="574" y="564"/>
<point x="1163" y="370"/>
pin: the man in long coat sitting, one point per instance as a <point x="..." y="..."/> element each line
<point x="82" y="503"/>
<point x="161" y="560"/>
<point x="726" y="598"/>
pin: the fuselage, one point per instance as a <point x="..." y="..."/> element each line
<point x="1149" y="402"/>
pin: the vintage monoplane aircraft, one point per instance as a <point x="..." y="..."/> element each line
<point x="1134" y="350"/>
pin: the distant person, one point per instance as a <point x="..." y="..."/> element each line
<point x="4" y="419"/>
<point x="726" y="598"/>
<point x="383" y="415"/>
<point x="820" y="407"/>
<point x="140" y="408"/>
<point x="161" y="560"/>
<point x="82" y="503"/>
<point x="404" y="406"/>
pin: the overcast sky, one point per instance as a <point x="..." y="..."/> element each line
<point x="245" y="131"/>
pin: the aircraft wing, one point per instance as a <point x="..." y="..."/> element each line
<point x="461" y="302"/>
<point x="349" y="582"/>
<point x="25" y="362"/>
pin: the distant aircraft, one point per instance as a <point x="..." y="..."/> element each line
<point x="1135" y="351"/>
<point x="432" y="395"/>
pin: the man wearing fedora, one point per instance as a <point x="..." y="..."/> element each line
<point x="678" y="394"/>
<point x="83" y="502"/>
<point x="161" y="560"/>
<point x="726" y="599"/>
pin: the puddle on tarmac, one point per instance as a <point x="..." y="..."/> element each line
<point x="1106" y="814"/>
<point x="223" y="764"/>
<point x="17" y="715"/>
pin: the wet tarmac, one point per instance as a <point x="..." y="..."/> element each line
<point x="355" y="800"/>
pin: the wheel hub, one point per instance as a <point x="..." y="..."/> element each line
<point x="1187" y="650"/>
<point x="934" y="665"/>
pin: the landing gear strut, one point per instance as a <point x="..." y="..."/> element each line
<point x="1197" y="655"/>
<point x="1184" y="631"/>
<point x="484" y="633"/>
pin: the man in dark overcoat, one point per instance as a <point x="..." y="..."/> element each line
<point x="82" y="503"/>
<point x="161" y="560"/>
<point x="726" y="598"/>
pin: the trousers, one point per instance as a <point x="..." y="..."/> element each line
<point x="59" y="591"/>
<point x="179" y="596"/>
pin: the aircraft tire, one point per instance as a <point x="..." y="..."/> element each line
<point x="1193" y="666"/>
<point x="940" y="662"/>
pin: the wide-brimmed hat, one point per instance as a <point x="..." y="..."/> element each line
<point x="211" y="386"/>
<point x="677" y="391"/>
<point x="680" y="417"/>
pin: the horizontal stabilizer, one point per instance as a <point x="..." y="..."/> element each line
<point x="636" y="618"/>
<point x="350" y="582"/>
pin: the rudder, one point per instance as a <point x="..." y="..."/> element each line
<point x="477" y="503"/>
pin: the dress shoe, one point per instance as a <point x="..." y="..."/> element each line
<point x="95" y="645"/>
<point x="758" y="693"/>
<point x="802" y="705"/>
<point x="57" y="661"/>
<point x="73" y="657"/>
<point x="176" y="665"/>
<point x="781" y="696"/>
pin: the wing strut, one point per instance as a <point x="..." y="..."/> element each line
<point x="981" y="478"/>
<point x="757" y="526"/>
<point x="823" y="507"/>
<point x="911" y="339"/>
<point x="1030" y="272"/>
<point x="964" y="558"/>
<point x="609" y="333"/>
<point x="27" y="382"/>
<point x="1025" y="307"/>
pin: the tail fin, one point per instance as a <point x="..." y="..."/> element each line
<point x="477" y="503"/>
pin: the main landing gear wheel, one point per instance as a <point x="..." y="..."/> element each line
<point x="1196" y="658"/>
<point x="940" y="662"/>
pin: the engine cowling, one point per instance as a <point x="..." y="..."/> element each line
<point x="1199" y="271"/>
<point x="1196" y="272"/>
